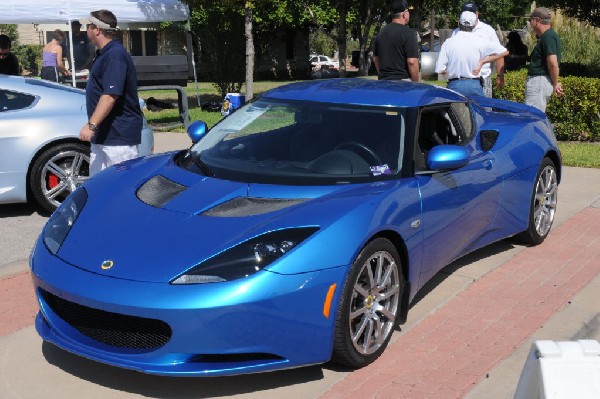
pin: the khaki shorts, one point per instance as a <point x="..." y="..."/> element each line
<point x="538" y="90"/>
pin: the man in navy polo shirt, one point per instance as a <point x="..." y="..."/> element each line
<point x="114" y="116"/>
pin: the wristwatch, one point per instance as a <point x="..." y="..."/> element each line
<point x="92" y="126"/>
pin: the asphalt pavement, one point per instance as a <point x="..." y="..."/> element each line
<point x="30" y="368"/>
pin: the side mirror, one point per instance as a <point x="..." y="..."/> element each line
<point x="447" y="157"/>
<point x="196" y="130"/>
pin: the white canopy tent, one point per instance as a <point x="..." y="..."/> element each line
<point x="57" y="11"/>
<point x="60" y="11"/>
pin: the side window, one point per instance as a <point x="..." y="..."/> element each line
<point x="460" y="115"/>
<point x="440" y="125"/>
<point x="11" y="101"/>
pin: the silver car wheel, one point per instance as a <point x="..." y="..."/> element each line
<point x="62" y="174"/>
<point x="374" y="302"/>
<point x="546" y="190"/>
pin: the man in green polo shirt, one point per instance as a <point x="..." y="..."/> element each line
<point x="542" y="75"/>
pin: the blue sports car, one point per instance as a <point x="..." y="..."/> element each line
<point x="296" y="231"/>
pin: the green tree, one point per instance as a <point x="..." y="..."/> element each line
<point x="10" y="30"/>
<point x="583" y="10"/>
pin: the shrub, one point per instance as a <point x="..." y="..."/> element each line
<point x="30" y="58"/>
<point x="575" y="116"/>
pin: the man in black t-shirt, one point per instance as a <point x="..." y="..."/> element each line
<point x="396" y="51"/>
<point x="9" y="65"/>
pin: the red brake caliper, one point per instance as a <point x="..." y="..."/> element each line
<point x="52" y="180"/>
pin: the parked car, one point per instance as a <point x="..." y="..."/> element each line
<point x="321" y="60"/>
<point x="41" y="156"/>
<point x="297" y="230"/>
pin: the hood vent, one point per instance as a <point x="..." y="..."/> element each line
<point x="249" y="206"/>
<point x="158" y="191"/>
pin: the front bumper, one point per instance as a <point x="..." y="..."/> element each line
<point x="264" y="322"/>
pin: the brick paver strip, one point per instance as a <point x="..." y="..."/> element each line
<point x="18" y="305"/>
<point x="451" y="350"/>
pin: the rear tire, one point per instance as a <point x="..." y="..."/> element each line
<point x="542" y="205"/>
<point x="370" y="304"/>
<point x="57" y="172"/>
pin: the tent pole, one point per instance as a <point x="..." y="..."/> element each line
<point x="191" y="48"/>
<point x="72" y="59"/>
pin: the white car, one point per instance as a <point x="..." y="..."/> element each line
<point x="41" y="156"/>
<point x="320" y="60"/>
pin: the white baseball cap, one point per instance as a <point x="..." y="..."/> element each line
<point x="468" y="18"/>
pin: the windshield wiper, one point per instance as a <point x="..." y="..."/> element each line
<point x="200" y="163"/>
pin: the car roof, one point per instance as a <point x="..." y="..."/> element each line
<point x="36" y="86"/>
<point x="359" y="91"/>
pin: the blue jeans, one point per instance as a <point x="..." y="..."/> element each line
<point x="466" y="87"/>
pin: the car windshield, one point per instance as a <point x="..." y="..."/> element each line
<point x="304" y="142"/>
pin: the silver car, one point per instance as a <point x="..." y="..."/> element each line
<point x="41" y="156"/>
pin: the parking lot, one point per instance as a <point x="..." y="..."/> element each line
<point x="30" y="368"/>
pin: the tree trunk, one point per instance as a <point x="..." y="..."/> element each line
<point x="249" y="51"/>
<point x="432" y="30"/>
<point x="364" y="61"/>
<point x="341" y="39"/>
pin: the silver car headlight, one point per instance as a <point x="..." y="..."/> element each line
<point x="63" y="219"/>
<point x="246" y="258"/>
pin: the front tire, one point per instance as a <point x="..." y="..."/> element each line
<point x="369" y="308"/>
<point x="57" y="172"/>
<point x="542" y="204"/>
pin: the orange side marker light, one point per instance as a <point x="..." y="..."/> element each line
<point x="328" y="298"/>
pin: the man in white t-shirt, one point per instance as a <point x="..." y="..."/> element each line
<point x="485" y="31"/>
<point x="463" y="56"/>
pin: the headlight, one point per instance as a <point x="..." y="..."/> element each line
<point x="246" y="258"/>
<point x="62" y="220"/>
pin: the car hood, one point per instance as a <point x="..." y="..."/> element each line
<point x="157" y="242"/>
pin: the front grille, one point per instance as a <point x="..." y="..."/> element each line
<point x="111" y="328"/>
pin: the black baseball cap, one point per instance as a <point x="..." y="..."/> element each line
<point x="398" y="6"/>
<point x="469" y="6"/>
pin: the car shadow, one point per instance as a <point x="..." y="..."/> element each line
<point x="174" y="387"/>
<point x="12" y="210"/>
<point x="482" y="253"/>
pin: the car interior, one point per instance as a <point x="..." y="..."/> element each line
<point x="333" y="140"/>
<point x="450" y="124"/>
<point x="10" y="101"/>
<point x="373" y="136"/>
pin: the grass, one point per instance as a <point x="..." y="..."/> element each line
<point x="585" y="155"/>
<point x="165" y="119"/>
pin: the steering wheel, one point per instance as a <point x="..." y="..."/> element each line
<point x="363" y="151"/>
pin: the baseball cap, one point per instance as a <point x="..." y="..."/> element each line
<point x="398" y="6"/>
<point x="469" y="6"/>
<point x="541" y="13"/>
<point x="468" y="19"/>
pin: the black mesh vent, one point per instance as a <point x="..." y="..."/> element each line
<point x="247" y="206"/>
<point x="158" y="191"/>
<point x="488" y="139"/>
<point x="111" y="328"/>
